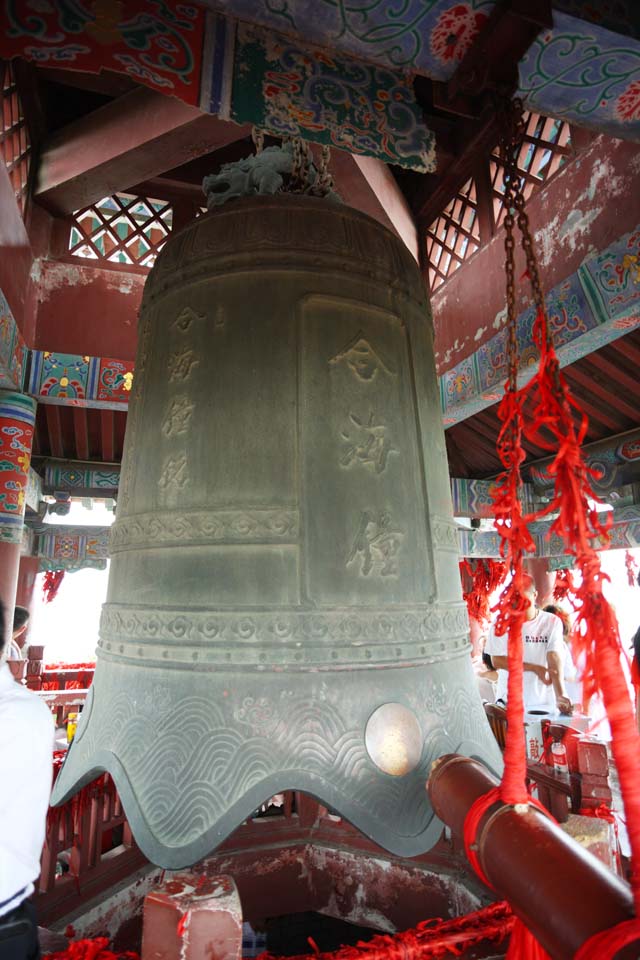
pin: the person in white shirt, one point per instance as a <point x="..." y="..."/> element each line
<point x="543" y="681"/>
<point x="20" y="624"/>
<point x="26" y="767"/>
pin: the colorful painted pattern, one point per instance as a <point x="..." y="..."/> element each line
<point x="592" y="307"/>
<point x="12" y="349"/>
<point x="17" y="424"/>
<point x="73" y="548"/>
<point x="426" y="36"/>
<point x="615" y="464"/>
<point x="81" y="381"/>
<point x="68" y="477"/>
<point x="294" y="90"/>
<point x="156" y="42"/>
<point x="586" y="74"/>
<point x="623" y="534"/>
<point x="474" y="498"/>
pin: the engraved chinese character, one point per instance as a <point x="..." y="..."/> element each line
<point x="175" y="473"/>
<point x="367" y="444"/>
<point x="185" y="318"/>
<point x="376" y="545"/>
<point x="361" y="358"/>
<point x="176" y="419"/>
<point x="181" y="363"/>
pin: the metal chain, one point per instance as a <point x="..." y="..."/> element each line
<point x="511" y="139"/>
<point x="257" y="135"/>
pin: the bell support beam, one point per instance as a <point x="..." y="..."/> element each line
<point x="556" y="865"/>
<point x="583" y="208"/>
<point x="369" y="186"/>
<point x="134" y="138"/>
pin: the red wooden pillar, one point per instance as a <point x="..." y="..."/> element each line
<point x="476" y="631"/>
<point x="543" y="578"/>
<point x="17" y="423"/>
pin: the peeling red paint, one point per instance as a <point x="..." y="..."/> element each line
<point x="87" y="309"/>
<point x="584" y="208"/>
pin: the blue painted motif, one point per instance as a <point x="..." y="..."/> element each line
<point x="428" y="36"/>
<point x="586" y="74"/>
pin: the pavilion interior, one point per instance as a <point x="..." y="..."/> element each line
<point x="101" y="168"/>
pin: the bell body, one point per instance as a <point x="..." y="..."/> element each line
<point x="284" y="606"/>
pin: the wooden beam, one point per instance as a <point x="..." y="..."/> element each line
<point x="368" y="185"/>
<point x="108" y="435"/>
<point x="80" y="427"/>
<point x="54" y="426"/>
<point x="135" y="137"/>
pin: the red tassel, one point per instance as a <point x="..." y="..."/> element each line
<point x="563" y="585"/>
<point x="51" y="585"/>
<point x="523" y="945"/>
<point x="486" y="576"/>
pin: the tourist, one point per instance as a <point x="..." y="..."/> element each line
<point x="20" y="625"/>
<point x="543" y="681"/>
<point x="569" y="670"/>
<point x="26" y="753"/>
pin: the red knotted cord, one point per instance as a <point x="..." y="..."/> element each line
<point x="97" y="949"/>
<point x="605" y="945"/>
<point x="430" y="940"/>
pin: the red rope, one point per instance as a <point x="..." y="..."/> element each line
<point x="511" y="524"/>
<point x="605" y="945"/>
<point x="470" y="830"/>
<point x="430" y="939"/>
<point x="97" y="949"/>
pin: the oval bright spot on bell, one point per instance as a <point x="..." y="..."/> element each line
<point x="393" y="739"/>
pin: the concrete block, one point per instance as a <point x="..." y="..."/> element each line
<point x="192" y="917"/>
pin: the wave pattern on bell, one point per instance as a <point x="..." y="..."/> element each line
<point x="284" y="607"/>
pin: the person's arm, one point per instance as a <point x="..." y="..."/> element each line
<point x="502" y="663"/>
<point x="556" y="669"/>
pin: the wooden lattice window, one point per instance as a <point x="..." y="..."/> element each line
<point x="121" y="229"/>
<point x="15" y="145"/>
<point x="546" y="146"/>
<point x="454" y="236"/>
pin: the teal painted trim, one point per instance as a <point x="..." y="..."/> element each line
<point x="624" y="534"/>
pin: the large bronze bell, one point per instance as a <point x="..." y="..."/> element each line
<point x="284" y="606"/>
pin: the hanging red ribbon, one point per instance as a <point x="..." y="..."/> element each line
<point x="563" y="585"/>
<point x="51" y="584"/>
<point x="486" y="576"/>
<point x="632" y="569"/>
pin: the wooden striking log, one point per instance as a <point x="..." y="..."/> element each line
<point x="561" y="892"/>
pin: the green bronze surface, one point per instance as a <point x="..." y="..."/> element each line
<point x="284" y="559"/>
